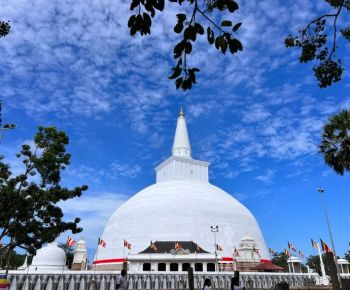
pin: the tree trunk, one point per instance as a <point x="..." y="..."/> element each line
<point x="8" y="255"/>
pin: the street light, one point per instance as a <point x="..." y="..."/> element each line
<point x="321" y="191"/>
<point x="215" y="229"/>
<point x="10" y="126"/>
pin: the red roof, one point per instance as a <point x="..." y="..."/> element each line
<point x="268" y="267"/>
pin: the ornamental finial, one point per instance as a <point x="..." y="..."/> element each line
<point x="181" y="113"/>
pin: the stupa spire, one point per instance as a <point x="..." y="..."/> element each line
<point x="181" y="146"/>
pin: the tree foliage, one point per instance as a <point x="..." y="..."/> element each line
<point x="15" y="260"/>
<point x="29" y="215"/>
<point x="280" y="259"/>
<point x="4" y="28"/>
<point x="69" y="254"/>
<point x="347" y="255"/>
<point x="335" y="144"/>
<point x="313" y="261"/>
<point x="190" y="27"/>
<point x="318" y="42"/>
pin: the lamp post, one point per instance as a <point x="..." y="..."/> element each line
<point x="321" y="191"/>
<point x="215" y="229"/>
<point x="10" y="126"/>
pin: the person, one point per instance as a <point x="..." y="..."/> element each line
<point x="122" y="281"/>
<point x="207" y="284"/>
<point x="235" y="284"/>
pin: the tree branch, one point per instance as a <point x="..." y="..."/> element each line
<point x="335" y="32"/>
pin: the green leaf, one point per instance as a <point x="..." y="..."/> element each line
<point x="199" y="28"/>
<point x="232" y="6"/>
<point x="181" y="17"/>
<point x="236" y="27"/>
<point x="210" y="35"/>
<point x="176" y="72"/>
<point x="178" y="83"/>
<point x="226" y="23"/>
<point x="188" y="47"/>
<point x="179" y="49"/>
<point x="178" y="27"/>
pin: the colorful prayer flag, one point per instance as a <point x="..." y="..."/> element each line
<point x="236" y="253"/>
<point x="272" y="252"/>
<point x="70" y="242"/>
<point x="127" y="245"/>
<point x="314" y="244"/>
<point x="153" y="247"/>
<point x="102" y="243"/>
<point x="218" y="248"/>
<point x="291" y="247"/>
<point x="286" y="252"/>
<point x="255" y="250"/>
<point x="325" y="247"/>
<point x="301" y="254"/>
<point x="178" y="246"/>
<point x="4" y="282"/>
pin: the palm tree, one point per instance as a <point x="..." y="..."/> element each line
<point x="335" y="144"/>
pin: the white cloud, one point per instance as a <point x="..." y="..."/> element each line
<point x="267" y="176"/>
<point x="94" y="209"/>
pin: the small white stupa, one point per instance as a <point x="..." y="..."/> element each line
<point x="49" y="258"/>
<point x="80" y="256"/>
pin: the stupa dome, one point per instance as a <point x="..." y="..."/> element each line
<point x="181" y="206"/>
<point x="50" y="257"/>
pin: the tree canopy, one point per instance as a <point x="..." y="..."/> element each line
<point x="335" y="144"/>
<point x="4" y="28"/>
<point x="280" y="259"/>
<point x="190" y="26"/>
<point x="32" y="196"/>
<point x="318" y="42"/>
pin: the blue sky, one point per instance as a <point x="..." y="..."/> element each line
<point x="256" y="116"/>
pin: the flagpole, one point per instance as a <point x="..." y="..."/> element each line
<point x="321" y="191"/>
<point x="321" y="262"/>
<point x="98" y="244"/>
<point x="215" y="229"/>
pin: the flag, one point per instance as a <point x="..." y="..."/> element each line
<point x="127" y="245"/>
<point x="291" y="247"/>
<point x="255" y="250"/>
<point x="325" y="247"/>
<point x="301" y="254"/>
<point x="178" y="246"/>
<point x="314" y="244"/>
<point x="236" y="253"/>
<point x="4" y="283"/>
<point x="286" y="252"/>
<point x="102" y="243"/>
<point x="199" y="248"/>
<point x="272" y="252"/>
<point x="218" y="248"/>
<point x="153" y="247"/>
<point x="70" y="242"/>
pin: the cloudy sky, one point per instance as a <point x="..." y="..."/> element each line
<point x="256" y="116"/>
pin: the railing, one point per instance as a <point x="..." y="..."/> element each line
<point x="89" y="280"/>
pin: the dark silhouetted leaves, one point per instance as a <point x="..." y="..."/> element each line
<point x="335" y="144"/>
<point x="226" y="23"/>
<point x="35" y="217"/>
<point x="317" y="45"/>
<point x="4" y="28"/>
<point x="210" y="35"/>
<point x="236" y="27"/>
<point x="328" y="72"/>
<point x="190" y="30"/>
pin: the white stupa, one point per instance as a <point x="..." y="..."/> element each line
<point x="181" y="206"/>
<point x="49" y="258"/>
